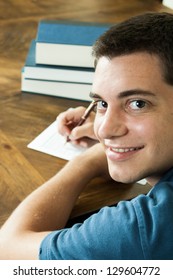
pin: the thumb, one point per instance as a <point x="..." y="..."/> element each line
<point x="86" y="130"/>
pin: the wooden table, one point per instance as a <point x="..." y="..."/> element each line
<point x="23" y="116"/>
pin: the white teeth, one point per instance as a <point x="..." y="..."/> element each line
<point x="121" y="150"/>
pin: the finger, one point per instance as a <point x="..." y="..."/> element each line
<point x="67" y="120"/>
<point x="62" y="126"/>
<point x="86" y="130"/>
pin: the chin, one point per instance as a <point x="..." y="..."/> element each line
<point x="125" y="178"/>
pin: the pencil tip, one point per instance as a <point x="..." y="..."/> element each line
<point x="67" y="140"/>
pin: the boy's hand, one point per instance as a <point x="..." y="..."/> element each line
<point x="81" y="135"/>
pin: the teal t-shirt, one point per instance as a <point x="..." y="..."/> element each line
<point x="133" y="230"/>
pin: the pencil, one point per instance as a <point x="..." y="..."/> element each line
<point x="85" y="116"/>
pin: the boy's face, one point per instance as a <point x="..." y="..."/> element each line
<point x="134" y="119"/>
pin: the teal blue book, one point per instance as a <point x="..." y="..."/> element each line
<point x="67" y="43"/>
<point x="53" y="72"/>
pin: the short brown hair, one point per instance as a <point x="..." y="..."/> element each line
<point x="149" y="32"/>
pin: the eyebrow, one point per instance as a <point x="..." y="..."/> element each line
<point x="127" y="93"/>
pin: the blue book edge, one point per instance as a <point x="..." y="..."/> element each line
<point x="74" y="33"/>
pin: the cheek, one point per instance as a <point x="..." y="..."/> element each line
<point x="97" y="124"/>
<point x="145" y="128"/>
<point x="141" y="128"/>
<point x="152" y="133"/>
<point x="96" y="128"/>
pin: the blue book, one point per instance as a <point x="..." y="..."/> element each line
<point x="53" y="72"/>
<point x="67" y="43"/>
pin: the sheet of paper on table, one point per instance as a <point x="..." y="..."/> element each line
<point x="51" y="142"/>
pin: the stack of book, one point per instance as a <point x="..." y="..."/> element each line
<point x="59" y="61"/>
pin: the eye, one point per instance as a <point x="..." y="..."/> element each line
<point x="137" y="104"/>
<point x="101" y="105"/>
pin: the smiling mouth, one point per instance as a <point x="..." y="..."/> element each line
<point x="125" y="150"/>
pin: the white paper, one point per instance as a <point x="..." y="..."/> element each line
<point x="142" y="182"/>
<point x="52" y="143"/>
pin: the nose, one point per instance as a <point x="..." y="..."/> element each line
<point x="112" y="124"/>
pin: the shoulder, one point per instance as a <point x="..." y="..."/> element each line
<point x="154" y="214"/>
<point x="109" y="234"/>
